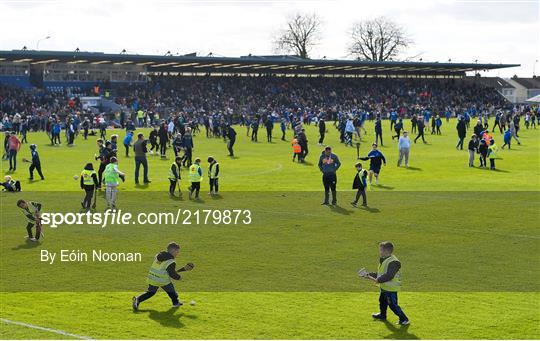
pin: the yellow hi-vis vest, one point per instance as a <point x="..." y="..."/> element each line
<point x="493" y="151"/>
<point x="158" y="275"/>
<point x="86" y="176"/>
<point x="171" y="173"/>
<point x="194" y="175"/>
<point x="110" y="176"/>
<point x="395" y="283"/>
<point x="212" y="171"/>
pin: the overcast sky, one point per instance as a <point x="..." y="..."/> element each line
<point x="464" y="31"/>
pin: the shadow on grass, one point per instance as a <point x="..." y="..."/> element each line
<point x="340" y="210"/>
<point x="384" y="187"/>
<point x="370" y="209"/>
<point x="414" y="168"/>
<point x="25" y="246"/>
<point x="29" y="182"/>
<point x="177" y="197"/>
<point x="143" y="185"/>
<point x="306" y="163"/>
<point x="492" y="170"/>
<point x="399" y="333"/>
<point x="500" y="170"/>
<point x="167" y="318"/>
<point x="216" y="197"/>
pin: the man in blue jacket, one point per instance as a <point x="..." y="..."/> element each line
<point x="329" y="164"/>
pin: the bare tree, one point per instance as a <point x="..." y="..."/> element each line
<point x="378" y="39"/>
<point x="302" y="32"/>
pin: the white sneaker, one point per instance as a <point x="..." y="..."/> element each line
<point x="179" y="304"/>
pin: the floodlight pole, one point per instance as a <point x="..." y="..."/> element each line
<point x="40" y="40"/>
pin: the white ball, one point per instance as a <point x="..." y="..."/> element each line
<point x="75" y="177"/>
<point x="192" y="302"/>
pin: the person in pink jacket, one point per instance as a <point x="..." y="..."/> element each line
<point x="14" y="144"/>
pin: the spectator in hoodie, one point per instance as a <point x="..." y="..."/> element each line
<point x="127" y="142"/>
<point x="507" y="139"/>
<point x="328" y="165"/>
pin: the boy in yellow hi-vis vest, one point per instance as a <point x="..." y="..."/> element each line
<point x="492" y="154"/>
<point x="388" y="278"/>
<point x="195" y="177"/>
<point x="213" y="175"/>
<point x="159" y="276"/>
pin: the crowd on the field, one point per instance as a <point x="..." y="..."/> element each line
<point x="177" y="107"/>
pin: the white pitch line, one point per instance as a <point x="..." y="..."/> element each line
<point x="56" y="331"/>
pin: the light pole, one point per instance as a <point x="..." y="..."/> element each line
<point x="534" y="67"/>
<point x="40" y="40"/>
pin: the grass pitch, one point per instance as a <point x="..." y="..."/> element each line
<point x="468" y="239"/>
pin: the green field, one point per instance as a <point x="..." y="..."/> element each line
<point x="468" y="239"/>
